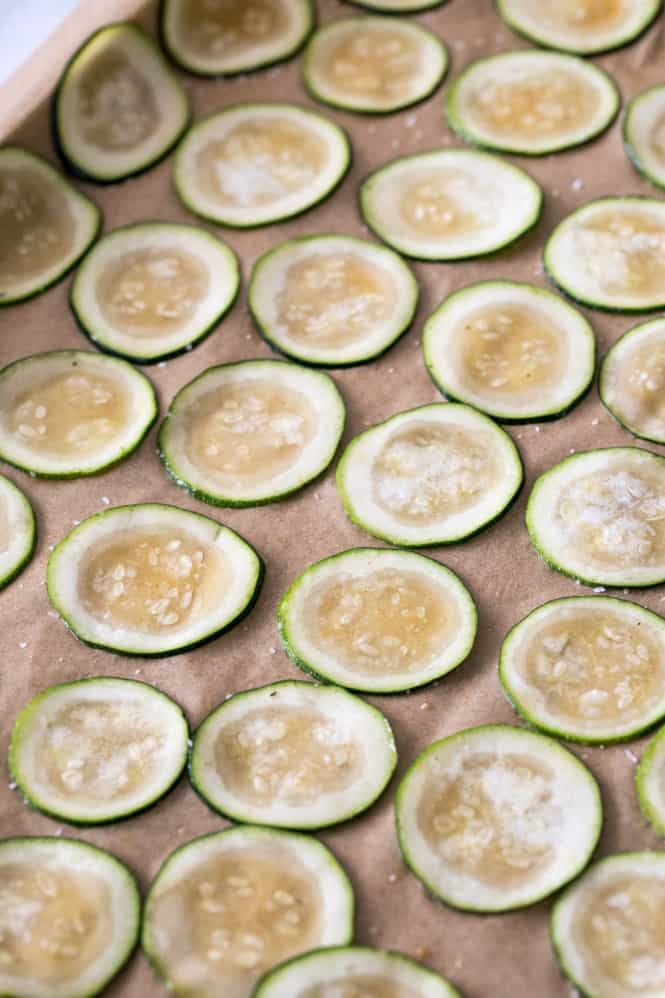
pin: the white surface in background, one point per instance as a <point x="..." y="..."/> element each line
<point x="24" y="25"/>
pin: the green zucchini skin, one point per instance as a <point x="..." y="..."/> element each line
<point x="29" y="551"/>
<point x="629" y="145"/>
<point x="602" y="373"/>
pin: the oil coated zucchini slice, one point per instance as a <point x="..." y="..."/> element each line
<point x="650" y="782"/>
<point x="373" y="64"/>
<point x="227" y="38"/>
<point x="397" y="6"/>
<point x="607" y="928"/>
<point x="68" y="413"/>
<point x="118" y="108"/>
<point x="18" y="531"/>
<point x="610" y="254"/>
<point x="151" y="579"/>
<point x="226" y="907"/>
<point x="378" y="621"/>
<point x="251" y="432"/>
<point x="293" y="755"/>
<point x="332" y="300"/>
<point x="253" y="164"/>
<point x="586" y="27"/>
<point x="531" y="102"/>
<point x="46" y="225"/>
<point x="632" y="378"/>
<point x="497" y="817"/>
<point x="452" y="204"/>
<point x="512" y="350"/>
<point x="70" y="917"/>
<point x="599" y="516"/>
<point x="97" y="750"/>
<point x="431" y="475"/>
<point x="644" y="134"/>
<point x="589" y="669"/>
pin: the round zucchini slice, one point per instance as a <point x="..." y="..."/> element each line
<point x="432" y="475"/>
<point x="253" y="164"/>
<point x="46" y="225"/>
<point x="644" y="133"/>
<point x="118" y="108"/>
<point x="650" y="782"/>
<point x="252" y="432"/>
<point x="353" y="970"/>
<point x="68" y="413"/>
<point x="332" y="300"/>
<point x="378" y="621"/>
<point x="512" y="350"/>
<point x="585" y="27"/>
<point x="589" y="669"/>
<point x="532" y="103"/>
<point x="96" y="750"/>
<point x="151" y="579"/>
<point x="70" y="917"/>
<point x="226" y="907"/>
<point x="223" y="39"/>
<point x="599" y="516"/>
<point x="398" y="6"/>
<point x="18" y="531"/>
<point x="293" y="755"/>
<point x="607" y="928"/>
<point x="632" y="378"/>
<point x="453" y="204"/>
<point x="496" y="818"/>
<point x="373" y="64"/>
<point x="610" y="254"/>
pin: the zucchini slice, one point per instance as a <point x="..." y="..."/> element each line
<point x="644" y="133"/>
<point x="588" y="669"/>
<point x="586" y="27"/>
<point x="378" y="621"/>
<point x="253" y="164"/>
<point x="96" y="750"/>
<point x="18" y="531"/>
<point x="531" y="102"/>
<point x="151" y="579"/>
<point x="332" y="300"/>
<point x="632" y="378"/>
<point x="69" y="920"/>
<point x="397" y="6"/>
<point x="118" y="108"/>
<point x="453" y="204"/>
<point x="514" y="351"/>
<point x="610" y="254"/>
<point x="373" y="64"/>
<point x="46" y="225"/>
<point x="293" y="755"/>
<point x="151" y="290"/>
<point x="432" y="475"/>
<point x="496" y="818"/>
<point x="650" y="782"/>
<point x="227" y="38"/>
<point x="599" y="516"/>
<point x="252" y="432"/>
<point x="607" y="930"/>
<point x="353" y="970"/>
<point x="68" y="413"/>
<point x="226" y="907"/>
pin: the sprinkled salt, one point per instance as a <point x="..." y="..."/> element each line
<point x="595" y="422"/>
<point x="630" y="755"/>
<point x="23" y="644"/>
<point x="105" y="501"/>
<point x="272" y="650"/>
<point x="162" y="363"/>
<point x="599" y="589"/>
<point x="392" y="877"/>
<point x="577" y="184"/>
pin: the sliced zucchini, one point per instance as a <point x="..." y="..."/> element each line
<point x="349" y="971"/>
<point x="452" y="204"/>
<point x="293" y="755"/>
<point x="18" y="531"/>
<point x="431" y="475"/>
<point x="373" y="64"/>
<point x="97" y="750"/>
<point x="332" y="300"/>
<point x="398" y="6"/>
<point x="532" y="102"/>
<point x="589" y="669"/>
<point x="69" y="917"/>
<point x="599" y="516"/>
<point x="632" y="378"/>
<point x="586" y="27"/>
<point x="607" y="928"/>
<point x="213" y="39"/>
<point x="68" y="413"/>
<point x="650" y="782"/>
<point x="610" y="254"/>
<point x="253" y="164"/>
<point x="251" y="432"/>
<point x="514" y="351"/>
<point x="496" y="817"/>
<point x="644" y="133"/>
<point x="151" y="579"/>
<point x="46" y="225"/>
<point x="118" y="108"/>
<point x="226" y="907"/>
<point x="378" y="621"/>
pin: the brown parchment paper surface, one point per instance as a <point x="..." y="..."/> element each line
<point x="506" y="956"/>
